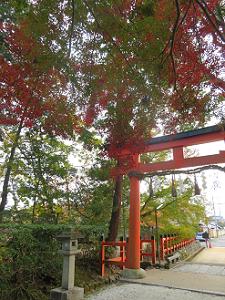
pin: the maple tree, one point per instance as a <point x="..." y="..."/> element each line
<point x="133" y="63"/>
<point x="30" y="92"/>
<point x="167" y="57"/>
<point x="160" y="60"/>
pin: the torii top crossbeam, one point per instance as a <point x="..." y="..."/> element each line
<point x="127" y="155"/>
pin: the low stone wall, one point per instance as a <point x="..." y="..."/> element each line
<point x="190" y="250"/>
<point x="185" y="253"/>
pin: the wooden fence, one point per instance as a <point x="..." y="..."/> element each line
<point x="168" y="244"/>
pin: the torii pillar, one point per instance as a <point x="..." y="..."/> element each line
<point x="133" y="269"/>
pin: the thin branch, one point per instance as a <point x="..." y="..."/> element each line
<point x="91" y="61"/>
<point x="72" y="27"/>
<point x="2" y="135"/>
<point x="209" y="18"/>
<point x="80" y="213"/>
<point x="172" y="41"/>
<point x="219" y="22"/>
<point x="180" y="23"/>
<point x="145" y="204"/>
<point x="185" y="14"/>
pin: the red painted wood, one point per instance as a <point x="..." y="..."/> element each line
<point x="196" y="140"/>
<point x="185" y="142"/>
<point x="178" y="153"/>
<point x="167" y="245"/>
<point x="152" y="254"/>
<point x="133" y="255"/>
<point x="173" y="164"/>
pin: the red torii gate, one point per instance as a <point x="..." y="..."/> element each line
<point x="129" y="163"/>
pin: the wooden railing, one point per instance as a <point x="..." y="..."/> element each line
<point x="171" y="243"/>
<point x="168" y="245"/>
<point x="119" y="260"/>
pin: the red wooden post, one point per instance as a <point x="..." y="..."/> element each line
<point x="153" y="250"/>
<point x="103" y="258"/>
<point x="122" y="252"/>
<point x="133" y="260"/>
<point x="162" y="247"/>
<point x="167" y="244"/>
<point x="173" y="243"/>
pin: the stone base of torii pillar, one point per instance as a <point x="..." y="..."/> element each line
<point x="133" y="273"/>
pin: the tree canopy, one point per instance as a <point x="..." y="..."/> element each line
<point x="116" y="69"/>
<point x="127" y="64"/>
<point x="79" y="79"/>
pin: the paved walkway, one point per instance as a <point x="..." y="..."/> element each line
<point x="204" y="273"/>
<point x="201" y="268"/>
<point x="215" y="256"/>
<point x="183" y="280"/>
<point x="218" y="242"/>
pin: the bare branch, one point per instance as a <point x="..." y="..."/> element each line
<point x="172" y="41"/>
<point x="185" y="14"/>
<point x="1" y="135"/>
<point x="209" y="18"/>
<point x="219" y="22"/>
<point x="72" y="27"/>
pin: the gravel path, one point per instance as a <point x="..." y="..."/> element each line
<point x="145" y="292"/>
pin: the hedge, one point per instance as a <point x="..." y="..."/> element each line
<point x="30" y="264"/>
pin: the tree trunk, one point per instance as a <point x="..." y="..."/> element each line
<point x="115" y="215"/>
<point x="8" y="171"/>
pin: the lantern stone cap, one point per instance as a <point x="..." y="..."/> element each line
<point x="69" y="235"/>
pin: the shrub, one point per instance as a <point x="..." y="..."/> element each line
<point x="29" y="261"/>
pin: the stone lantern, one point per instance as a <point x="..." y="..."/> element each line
<point x="69" y="248"/>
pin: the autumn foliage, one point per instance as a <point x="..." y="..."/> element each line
<point x="30" y="91"/>
<point x="168" y="61"/>
<point x="130" y="64"/>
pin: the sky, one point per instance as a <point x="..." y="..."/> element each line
<point x="215" y="180"/>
